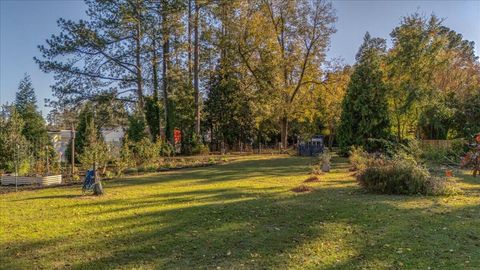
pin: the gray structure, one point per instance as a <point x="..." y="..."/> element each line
<point x="311" y="148"/>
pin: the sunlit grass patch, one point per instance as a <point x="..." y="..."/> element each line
<point x="241" y="215"/>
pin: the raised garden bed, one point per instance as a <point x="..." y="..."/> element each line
<point x="29" y="180"/>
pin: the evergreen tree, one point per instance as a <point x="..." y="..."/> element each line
<point x="182" y="115"/>
<point x="13" y="145"/>
<point x="152" y="115"/>
<point x="94" y="148"/>
<point x="136" y="128"/>
<point x="364" y="108"/>
<point x="34" y="128"/>
<point x="228" y="109"/>
<point x="25" y="97"/>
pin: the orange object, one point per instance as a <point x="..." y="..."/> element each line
<point x="448" y="173"/>
<point x="177" y="136"/>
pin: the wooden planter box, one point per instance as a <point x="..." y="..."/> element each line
<point x="26" y="180"/>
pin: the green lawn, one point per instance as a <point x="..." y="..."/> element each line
<point x="240" y="215"/>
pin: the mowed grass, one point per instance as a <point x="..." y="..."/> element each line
<point x="241" y="215"/>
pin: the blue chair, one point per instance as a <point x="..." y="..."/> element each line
<point x="89" y="181"/>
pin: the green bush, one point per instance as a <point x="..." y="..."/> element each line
<point x="410" y="147"/>
<point x="23" y="167"/>
<point x="166" y="148"/>
<point x="75" y="178"/>
<point x="151" y="168"/>
<point x="402" y="175"/>
<point x="444" y="155"/>
<point x="198" y="148"/>
<point x="146" y="152"/>
<point x="358" y="158"/>
<point x="386" y="147"/>
<point x="168" y="165"/>
<point x="131" y="171"/>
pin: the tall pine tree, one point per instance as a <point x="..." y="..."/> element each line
<point x="34" y="129"/>
<point x="365" y="111"/>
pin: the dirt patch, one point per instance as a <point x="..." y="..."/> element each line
<point x="302" y="188"/>
<point x="311" y="179"/>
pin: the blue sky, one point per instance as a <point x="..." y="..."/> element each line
<point x="24" y="24"/>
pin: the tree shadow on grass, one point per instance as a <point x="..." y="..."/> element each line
<point x="243" y="169"/>
<point x="229" y="229"/>
<point x="66" y="196"/>
<point x="243" y="231"/>
<point x="239" y="227"/>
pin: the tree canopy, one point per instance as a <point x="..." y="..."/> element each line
<point x="249" y="72"/>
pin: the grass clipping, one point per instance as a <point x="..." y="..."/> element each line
<point x="302" y="188"/>
<point x="312" y="179"/>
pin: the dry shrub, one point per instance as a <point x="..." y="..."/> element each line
<point x="358" y="158"/>
<point x="302" y="188"/>
<point x="401" y="175"/>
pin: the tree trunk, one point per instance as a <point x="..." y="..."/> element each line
<point x="284" y="132"/>
<point x="165" y="73"/>
<point x="398" y="124"/>
<point x="138" y="65"/>
<point x="189" y="29"/>
<point x="196" y="68"/>
<point x="330" y="139"/>
<point x="156" y="85"/>
<point x="138" y="69"/>
<point x="73" y="150"/>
